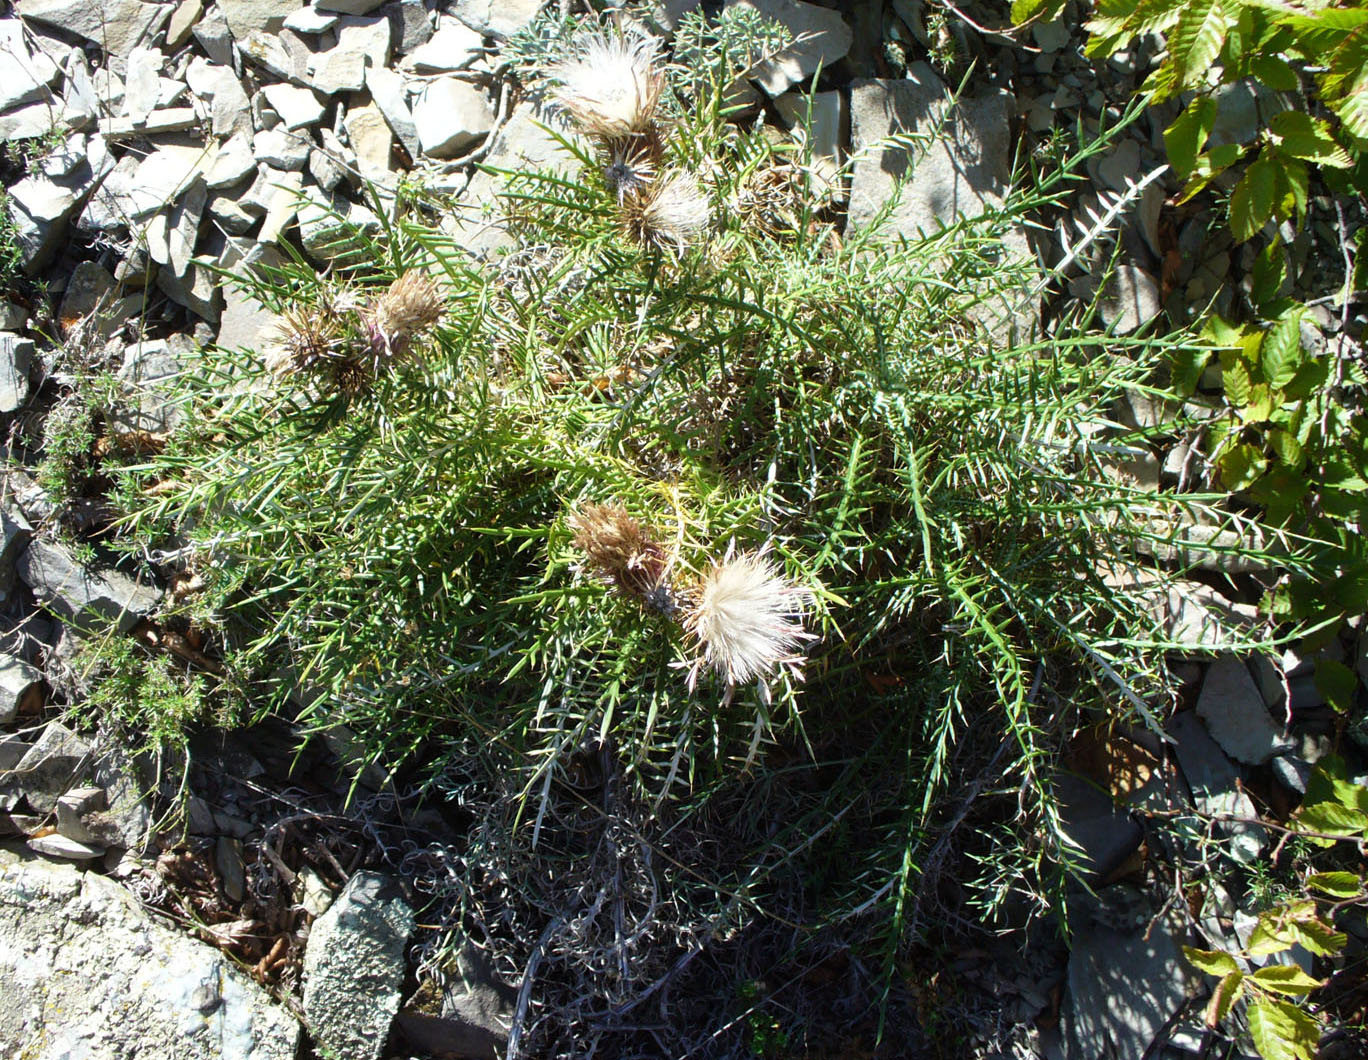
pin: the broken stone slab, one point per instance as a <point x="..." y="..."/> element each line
<point x="56" y="763"/>
<point x="496" y="18"/>
<point x="1103" y="835"/>
<point x="522" y="144"/>
<point x="362" y="42"/>
<point x="282" y="149"/>
<point x="246" y="322"/>
<point x="41" y="205"/>
<point x="86" y="598"/>
<point x="197" y="290"/>
<point x="297" y="107"/>
<point x="142" y="85"/>
<point x="1215" y="785"/>
<point x="281" y="55"/>
<point x="450" y="116"/>
<point x="56" y="845"/>
<point x="1127" y="977"/>
<point x="410" y="25"/>
<point x="150" y="368"/>
<point x="462" y="1011"/>
<point x="1235" y="714"/>
<point x="183" y="226"/>
<point x="310" y="20"/>
<point x="172" y="119"/>
<point x="29" y="76"/>
<point x="354" y="967"/>
<point x="1130" y="298"/>
<point x="282" y="196"/>
<point x="12" y="751"/>
<point x="161" y="991"/>
<point x="390" y="93"/>
<point x="16" y="362"/>
<point x="233" y="164"/>
<point x="72" y="809"/>
<point x="33" y="120"/>
<point x="116" y="26"/>
<point x="821" y="39"/>
<point x="232" y="871"/>
<point x="334" y="230"/>
<point x="182" y="21"/>
<point x="244" y="16"/>
<point x="372" y="142"/>
<point x="214" y="36"/>
<point x="229" y="107"/>
<point x="454" y="46"/>
<point x="21" y="688"/>
<point x="823" y="115"/>
<point x="15" y="534"/>
<point x="348" y="7"/>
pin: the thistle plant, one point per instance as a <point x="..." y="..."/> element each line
<point x="818" y="466"/>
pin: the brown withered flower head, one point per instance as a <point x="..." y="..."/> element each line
<point x="611" y="86"/>
<point x="307" y="337"/>
<point x="624" y="554"/>
<point x="412" y="304"/>
<point x="672" y="213"/>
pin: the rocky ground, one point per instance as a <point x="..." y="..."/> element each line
<point x="159" y="147"/>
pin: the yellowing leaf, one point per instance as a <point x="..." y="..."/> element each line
<point x="1335" y="884"/>
<point x="1286" y="979"/>
<point x="1227" y="992"/>
<point x="1282" y="1031"/>
<point x="1213" y="962"/>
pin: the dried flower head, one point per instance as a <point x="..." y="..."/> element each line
<point x="623" y="553"/>
<point x="672" y="213"/>
<point x="747" y="619"/>
<point x="412" y="304"/>
<point x="612" y="85"/>
<point x="770" y="200"/>
<point x="306" y="337"/>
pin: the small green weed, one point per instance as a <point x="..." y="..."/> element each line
<point x="150" y="704"/>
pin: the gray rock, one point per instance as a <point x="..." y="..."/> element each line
<point x="825" y="113"/>
<point x="361" y="43"/>
<point x="29" y="77"/>
<point x="13" y="317"/>
<point x="35" y="119"/>
<point x="244" y="16"/>
<point x="371" y="142"/>
<point x="231" y="869"/>
<point x="183" y="19"/>
<point x="169" y="120"/>
<point x="348" y="7"/>
<point x="215" y="37"/>
<point x="117" y="26"/>
<point x="147" y="375"/>
<point x="282" y="55"/>
<point x="56" y="845"/>
<point x="496" y="18"/>
<point x="160" y="992"/>
<point x="1102" y="834"/>
<point x="474" y="1013"/>
<point x="19" y="687"/>
<point x="1292" y="773"/>
<point x="388" y="90"/>
<point x="410" y="24"/>
<point x="90" y="290"/>
<point x="1235" y="713"/>
<point x="229" y="107"/>
<point x="56" y="763"/>
<point x="86" y="598"/>
<point x="354" y="966"/>
<point x="16" y="362"/>
<point x="142" y="86"/>
<point x="12" y="751"/>
<point x="136" y="193"/>
<point x="310" y="20"/>
<point x="1127" y="977"/>
<point x="324" y="163"/>
<point x="15" y="534"/>
<point x="74" y="807"/>
<point x="961" y="171"/>
<point x="246" y="323"/>
<point x="297" y="107"/>
<point x="230" y="216"/>
<point x="197" y="289"/>
<point x="829" y="39"/>
<point x="41" y="205"/>
<point x="312" y="893"/>
<point x="1214" y="783"/>
<point x="1130" y="299"/>
<point x="233" y="164"/>
<point x="281" y="196"/>
<point x="451" y="115"/>
<point x="282" y="149"/>
<point x="332" y="230"/>
<point x="522" y="144"/>
<point x="453" y="47"/>
<point x="183" y="226"/>
<point x="1120" y="167"/>
<point x="1051" y="36"/>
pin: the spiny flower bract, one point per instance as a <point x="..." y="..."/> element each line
<point x="620" y="550"/>
<point x="673" y="212"/>
<point x="412" y="304"/>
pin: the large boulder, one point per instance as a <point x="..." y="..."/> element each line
<point x="84" y="971"/>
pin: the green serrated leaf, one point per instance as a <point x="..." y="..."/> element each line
<point x="1270" y="270"/>
<point x="1318" y="937"/>
<point x="1186" y="366"/>
<point x="1294" y="183"/>
<point x="1213" y="962"/>
<point x="1352" y="111"/>
<point x="1337" y="683"/>
<point x="1286" y="448"/>
<point x="1227" y="992"/>
<point x="1275" y="72"/>
<point x="1281" y="1031"/>
<point x="1336" y="884"/>
<point x="1280" y="352"/>
<point x="1196" y="40"/>
<point x="1236" y="378"/>
<point x="1286" y="979"/>
<point x="1251" y="203"/>
<point x="1240" y="467"/>
<point x="1186" y="137"/>
<point x="1210" y="165"/>
<point x="1333" y="819"/>
<point x="1302" y="136"/>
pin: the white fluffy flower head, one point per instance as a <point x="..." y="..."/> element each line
<point x="747" y="619"/>
<point x="673" y="213"/>
<point x="612" y="86"/>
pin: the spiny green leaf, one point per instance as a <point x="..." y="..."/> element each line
<point x="1196" y="39"/>
<point x="1281" y="1031"/>
<point x="1227" y="992"/>
<point x="1213" y="962"/>
<point x="1280" y="352"/>
<point x="1286" y="979"/>
<point x="1337" y="884"/>
<point x="1186" y="137"/>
